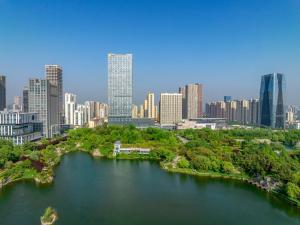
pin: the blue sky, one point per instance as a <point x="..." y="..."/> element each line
<point x="224" y="44"/>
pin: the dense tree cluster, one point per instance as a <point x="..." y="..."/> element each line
<point x="256" y="153"/>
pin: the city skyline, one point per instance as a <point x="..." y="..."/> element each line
<point x="233" y="42"/>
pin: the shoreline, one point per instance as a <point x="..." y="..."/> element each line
<point x="232" y="177"/>
<point x="163" y="166"/>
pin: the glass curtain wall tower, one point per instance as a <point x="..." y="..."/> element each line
<point x="119" y="88"/>
<point x="273" y="101"/>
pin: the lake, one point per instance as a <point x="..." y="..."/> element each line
<point x="89" y="191"/>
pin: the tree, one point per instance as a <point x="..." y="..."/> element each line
<point x="293" y="190"/>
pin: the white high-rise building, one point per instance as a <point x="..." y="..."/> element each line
<point x="170" y="109"/>
<point x="119" y="88"/>
<point x="70" y="107"/>
<point x="81" y="115"/>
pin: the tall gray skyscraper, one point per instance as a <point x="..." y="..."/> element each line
<point x="25" y="99"/>
<point x="43" y="99"/>
<point x="54" y="75"/>
<point x="119" y="88"/>
<point x="273" y="101"/>
<point x="2" y="93"/>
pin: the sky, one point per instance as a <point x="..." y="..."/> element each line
<point x="224" y="44"/>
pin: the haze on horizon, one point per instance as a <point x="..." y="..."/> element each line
<point x="224" y="44"/>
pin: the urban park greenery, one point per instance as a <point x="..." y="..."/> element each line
<point x="267" y="158"/>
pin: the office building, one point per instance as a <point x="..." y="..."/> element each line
<point x="20" y="127"/>
<point x="170" y="109"/>
<point x="43" y="99"/>
<point x="53" y="73"/>
<point x="119" y="88"/>
<point x="273" y="101"/>
<point x="25" y="100"/>
<point x="70" y="107"/>
<point x="227" y="98"/>
<point x="2" y="93"/>
<point x="192" y="101"/>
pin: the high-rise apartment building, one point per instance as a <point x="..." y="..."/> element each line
<point x="150" y="105"/>
<point x="182" y="91"/>
<point x="119" y="88"/>
<point x="25" y="99"/>
<point x="43" y="99"/>
<point x="2" y="92"/>
<point x="141" y="111"/>
<point x="53" y="73"/>
<point x="81" y="115"/>
<point x="134" y="111"/>
<point x="240" y="111"/>
<point x="273" y="101"/>
<point x="70" y="107"/>
<point x="146" y="108"/>
<point x="192" y="101"/>
<point x="170" y="109"/>
<point x="96" y="110"/>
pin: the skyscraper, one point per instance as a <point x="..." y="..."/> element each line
<point x="227" y="98"/>
<point x="25" y="99"/>
<point x="43" y="99"/>
<point x="273" y="101"/>
<point x="170" y="109"/>
<point x="119" y="88"/>
<point x="54" y="75"/>
<point x="192" y="101"/>
<point x="2" y="93"/>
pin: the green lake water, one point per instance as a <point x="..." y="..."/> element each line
<point x="89" y="191"/>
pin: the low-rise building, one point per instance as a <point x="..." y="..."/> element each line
<point x="20" y="127"/>
<point x="95" y="122"/>
<point x="189" y="124"/>
<point x="128" y="150"/>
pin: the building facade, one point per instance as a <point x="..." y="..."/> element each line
<point x="20" y="127"/>
<point x="17" y="106"/>
<point x="70" y="107"/>
<point x="53" y="73"/>
<point x="2" y="93"/>
<point x="243" y="111"/>
<point x="119" y="88"/>
<point x="170" y="109"/>
<point x="192" y="101"/>
<point x="273" y="101"/>
<point x="25" y="100"/>
<point x="43" y="99"/>
<point x="150" y="105"/>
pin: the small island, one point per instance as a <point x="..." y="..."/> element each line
<point x="50" y="217"/>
